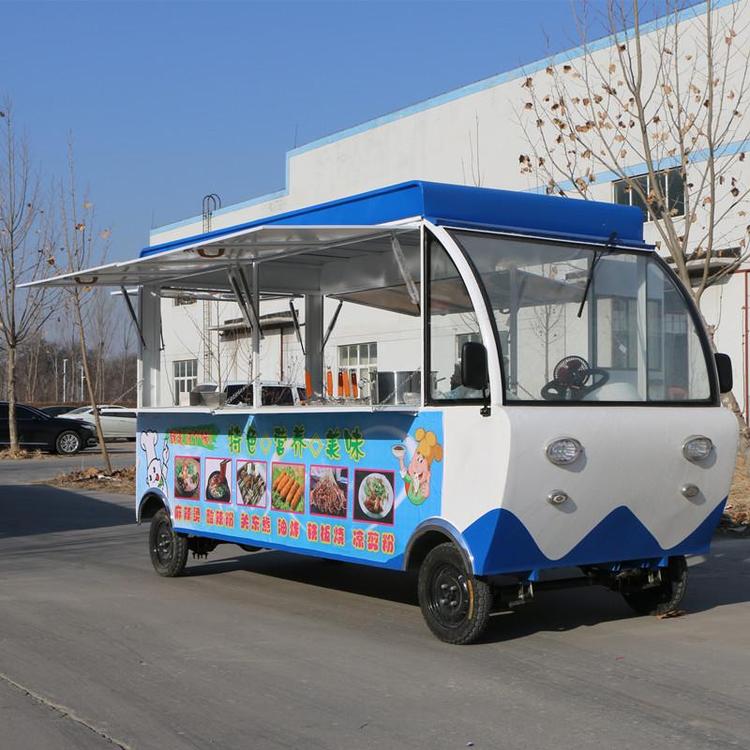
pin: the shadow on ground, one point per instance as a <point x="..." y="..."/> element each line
<point x="720" y="580"/>
<point x="29" y="510"/>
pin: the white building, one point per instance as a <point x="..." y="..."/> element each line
<point x="472" y="135"/>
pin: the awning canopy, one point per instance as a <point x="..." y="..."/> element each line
<point x="291" y="259"/>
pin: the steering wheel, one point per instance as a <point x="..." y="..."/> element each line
<point x="572" y="379"/>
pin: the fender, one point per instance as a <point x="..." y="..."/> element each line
<point x="151" y="492"/>
<point x="446" y="529"/>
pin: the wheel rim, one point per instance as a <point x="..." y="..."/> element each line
<point x="449" y="596"/>
<point x="68" y="443"/>
<point x="163" y="543"/>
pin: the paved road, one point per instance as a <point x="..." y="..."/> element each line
<point x="270" y="650"/>
<point x="49" y="465"/>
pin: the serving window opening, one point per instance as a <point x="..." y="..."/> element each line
<point x="372" y="322"/>
<point x="337" y="325"/>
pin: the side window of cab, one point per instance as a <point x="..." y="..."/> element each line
<point x="450" y="323"/>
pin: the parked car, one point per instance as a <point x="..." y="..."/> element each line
<point x="39" y="430"/>
<point x="118" y="422"/>
<point x="55" y="411"/>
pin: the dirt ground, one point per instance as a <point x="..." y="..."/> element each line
<point x="10" y="455"/>
<point x="121" y="481"/>
<point x="738" y="505"/>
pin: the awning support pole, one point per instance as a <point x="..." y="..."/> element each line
<point x="253" y="297"/>
<point x="249" y="314"/>
<point x="257" y="333"/>
<point x="149" y="360"/>
<point x="133" y="316"/>
<point x="238" y="298"/>
<point x="313" y="339"/>
<point x="411" y="287"/>
<point x="297" y="328"/>
<point x="331" y="325"/>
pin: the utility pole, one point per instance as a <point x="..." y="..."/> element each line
<point x="65" y="380"/>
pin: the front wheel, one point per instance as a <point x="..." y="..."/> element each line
<point x="168" y="549"/>
<point x="666" y="596"/>
<point x="68" y="443"/>
<point x="455" y="604"/>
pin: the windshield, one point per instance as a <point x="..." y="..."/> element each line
<point x="634" y="339"/>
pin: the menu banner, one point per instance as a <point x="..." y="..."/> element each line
<point x="351" y="485"/>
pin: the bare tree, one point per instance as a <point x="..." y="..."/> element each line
<point x="545" y="321"/>
<point x="663" y="110"/>
<point x="24" y="251"/>
<point x="102" y="329"/>
<point x="474" y="158"/>
<point x="82" y="248"/>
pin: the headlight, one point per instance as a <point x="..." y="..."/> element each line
<point x="563" y="451"/>
<point x="697" y="448"/>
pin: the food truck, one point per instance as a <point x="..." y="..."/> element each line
<point x="551" y="415"/>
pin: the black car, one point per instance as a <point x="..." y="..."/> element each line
<point x="39" y="430"/>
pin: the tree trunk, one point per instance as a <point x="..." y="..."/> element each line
<point x="11" y="376"/>
<point x="728" y="399"/>
<point x="90" y="387"/>
<point x="33" y="374"/>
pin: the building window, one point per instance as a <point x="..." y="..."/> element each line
<point x="362" y="360"/>
<point x="185" y="377"/>
<point x="672" y="187"/>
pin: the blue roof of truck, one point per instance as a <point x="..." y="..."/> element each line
<point x="460" y="206"/>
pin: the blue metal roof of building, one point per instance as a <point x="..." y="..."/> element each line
<point x="457" y="205"/>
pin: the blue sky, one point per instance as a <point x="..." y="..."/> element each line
<point x="168" y="101"/>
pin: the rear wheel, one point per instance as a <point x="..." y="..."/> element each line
<point x="168" y="549"/>
<point x="667" y="595"/>
<point x="455" y="604"/>
<point x="68" y="443"/>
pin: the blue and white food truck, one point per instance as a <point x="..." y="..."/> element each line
<point x="536" y="404"/>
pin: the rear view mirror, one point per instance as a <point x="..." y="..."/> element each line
<point x="474" y="366"/>
<point x="724" y="369"/>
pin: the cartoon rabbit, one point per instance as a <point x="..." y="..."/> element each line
<point x="156" y="470"/>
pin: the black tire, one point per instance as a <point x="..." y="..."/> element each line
<point x="168" y="549"/>
<point x="667" y="596"/>
<point x="68" y="442"/>
<point x="455" y="604"/>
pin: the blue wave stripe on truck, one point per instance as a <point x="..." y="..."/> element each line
<point x="500" y="543"/>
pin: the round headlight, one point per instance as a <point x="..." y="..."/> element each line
<point x="697" y="448"/>
<point x="563" y="451"/>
